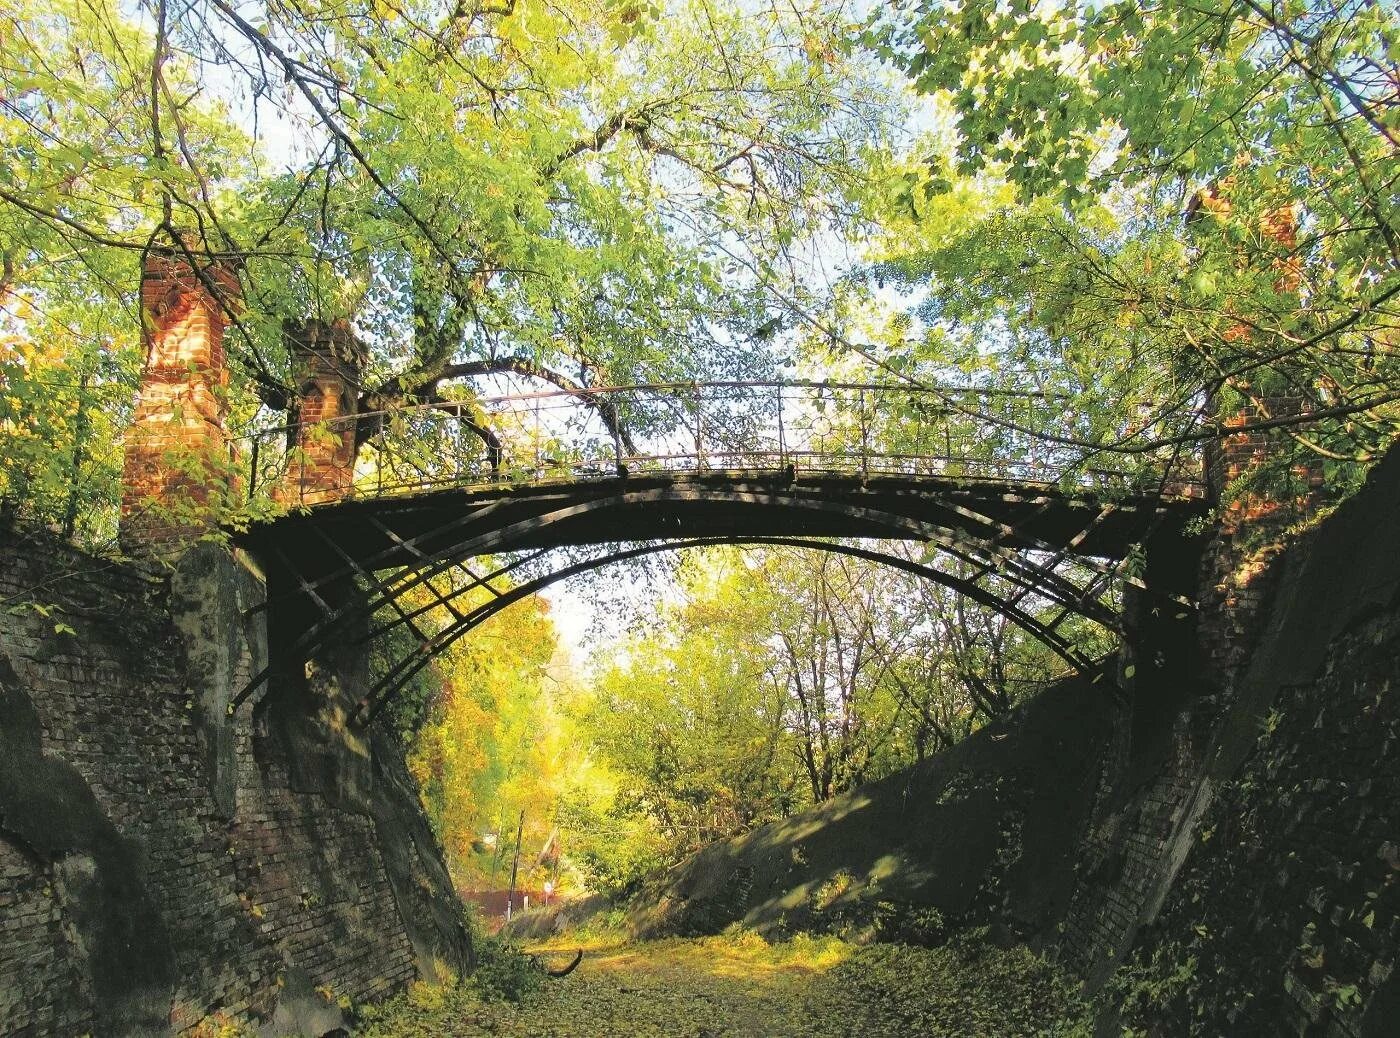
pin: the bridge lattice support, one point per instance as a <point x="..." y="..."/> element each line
<point x="1035" y="554"/>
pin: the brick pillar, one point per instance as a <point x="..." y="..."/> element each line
<point x="1238" y="454"/>
<point x="177" y="470"/>
<point x="327" y="361"/>
<point x="1237" y="577"/>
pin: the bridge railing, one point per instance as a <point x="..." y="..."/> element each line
<point x="570" y="435"/>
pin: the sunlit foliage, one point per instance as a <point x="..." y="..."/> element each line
<point x="1160" y="212"/>
<point x="566" y="193"/>
<point x="776" y="679"/>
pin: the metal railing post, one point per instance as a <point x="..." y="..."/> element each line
<point x="782" y="434"/>
<point x="457" y="444"/>
<point x="615" y="427"/>
<point x="864" y="440"/>
<point x="823" y="439"/>
<point x="699" y="445"/>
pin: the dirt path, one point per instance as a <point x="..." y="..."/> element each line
<point x="715" y="987"/>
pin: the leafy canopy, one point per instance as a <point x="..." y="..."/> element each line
<point x="1163" y="211"/>
<point x="566" y="191"/>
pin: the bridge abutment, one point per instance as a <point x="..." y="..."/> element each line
<point x="174" y="867"/>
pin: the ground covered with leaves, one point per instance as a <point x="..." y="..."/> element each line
<point x="742" y="985"/>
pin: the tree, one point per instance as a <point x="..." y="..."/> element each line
<point x="63" y="399"/>
<point x="688" y="717"/>
<point x="483" y="730"/>
<point x="836" y="635"/>
<point x="1160" y="212"/>
<point x="967" y="664"/>
<point x="783" y="677"/>
<point x="560" y="192"/>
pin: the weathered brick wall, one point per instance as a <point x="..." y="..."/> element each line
<point x="308" y="916"/>
<point x="1124" y="859"/>
<point x="111" y="707"/>
<point x="1147" y="773"/>
<point x="41" y="990"/>
<point x="1288" y="909"/>
<point x="1236" y="585"/>
<point x="1280" y="906"/>
<point x="1250" y="869"/>
<point x="1153" y="796"/>
<point x="143" y="889"/>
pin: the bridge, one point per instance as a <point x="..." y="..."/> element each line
<point x="401" y="506"/>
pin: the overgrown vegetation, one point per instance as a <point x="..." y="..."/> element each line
<point x="580" y="195"/>
<point x="1169" y="213"/>
<point x="741" y="985"/>
<point x="503" y="971"/>
<point x="775" y="679"/>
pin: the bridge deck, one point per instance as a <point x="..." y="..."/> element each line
<point x="400" y="530"/>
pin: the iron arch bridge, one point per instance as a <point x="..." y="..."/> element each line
<point x="635" y="470"/>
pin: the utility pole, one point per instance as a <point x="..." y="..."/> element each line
<point x="515" y="865"/>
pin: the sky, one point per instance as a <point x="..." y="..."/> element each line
<point x="572" y="615"/>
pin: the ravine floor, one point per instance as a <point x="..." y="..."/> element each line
<point x="743" y="986"/>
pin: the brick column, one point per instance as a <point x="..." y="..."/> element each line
<point x="327" y="361"/>
<point x="1238" y="454"/>
<point x="177" y="470"/>
<point x="1236" y="577"/>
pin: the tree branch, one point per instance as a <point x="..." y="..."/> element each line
<point x="394" y="392"/>
<point x="637" y="119"/>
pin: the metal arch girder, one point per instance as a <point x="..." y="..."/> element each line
<point x="494" y="540"/>
<point x="989" y="550"/>
<point x="479" y="512"/>
<point x="1044" y="580"/>
<point x="1035" y="580"/>
<point x="384" y="690"/>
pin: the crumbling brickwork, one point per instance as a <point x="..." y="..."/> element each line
<point x="177" y="463"/>
<point x="1280" y="899"/>
<point x="328" y="362"/>
<point x="1123" y="861"/>
<point x="305" y="916"/>
<point x="41" y="990"/>
<point x="133" y="898"/>
<point x="1287" y="914"/>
